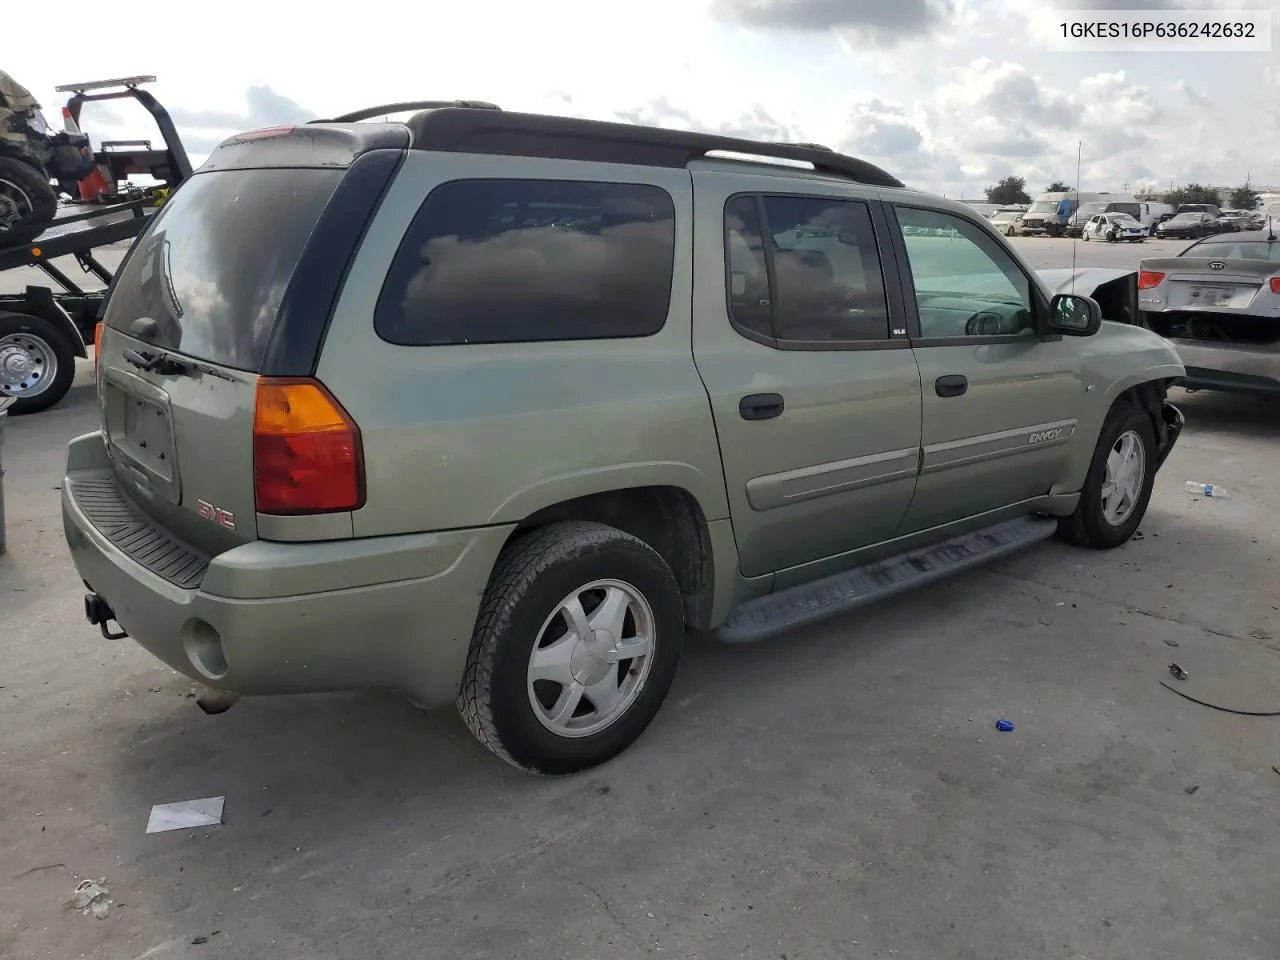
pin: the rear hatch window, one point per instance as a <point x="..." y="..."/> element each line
<point x="187" y="327"/>
<point x="212" y="270"/>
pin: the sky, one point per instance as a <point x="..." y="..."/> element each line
<point x="949" y="95"/>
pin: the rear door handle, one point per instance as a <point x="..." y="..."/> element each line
<point x="951" y="386"/>
<point x="760" y="406"/>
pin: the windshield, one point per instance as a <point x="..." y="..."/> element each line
<point x="1087" y="210"/>
<point x="1043" y="208"/>
<point x="212" y="269"/>
<point x="1128" y="209"/>
<point x="1123" y="218"/>
<point x="1187" y="218"/>
<point x="1234" y="250"/>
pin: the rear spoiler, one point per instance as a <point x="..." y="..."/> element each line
<point x="335" y="145"/>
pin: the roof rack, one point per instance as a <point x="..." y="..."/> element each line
<point x="386" y="108"/>
<point x="465" y="127"/>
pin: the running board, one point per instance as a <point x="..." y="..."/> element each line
<point x="808" y="603"/>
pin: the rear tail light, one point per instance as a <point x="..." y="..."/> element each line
<point x="307" y="455"/>
<point x="1149" y="278"/>
<point x="1275" y="284"/>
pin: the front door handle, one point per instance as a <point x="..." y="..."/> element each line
<point x="951" y="386"/>
<point x="760" y="406"/>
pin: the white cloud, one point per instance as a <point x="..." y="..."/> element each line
<point x="950" y="95"/>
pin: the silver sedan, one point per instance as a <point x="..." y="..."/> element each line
<point x="1218" y="301"/>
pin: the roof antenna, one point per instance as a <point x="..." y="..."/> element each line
<point x="1075" y="243"/>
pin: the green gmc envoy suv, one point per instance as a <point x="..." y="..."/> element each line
<point x="490" y="408"/>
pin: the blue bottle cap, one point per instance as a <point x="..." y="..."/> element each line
<point x="1004" y="725"/>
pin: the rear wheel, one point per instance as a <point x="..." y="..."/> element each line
<point x="27" y="201"/>
<point x="577" y="642"/>
<point x="37" y="362"/>
<point x="1118" y="486"/>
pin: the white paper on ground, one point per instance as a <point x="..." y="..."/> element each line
<point x="205" y="812"/>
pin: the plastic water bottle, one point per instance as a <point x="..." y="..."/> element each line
<point x="1205" y="489"/>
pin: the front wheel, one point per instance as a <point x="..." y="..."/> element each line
<point x="1118" y="486"/>
<point x="578" y="639"/>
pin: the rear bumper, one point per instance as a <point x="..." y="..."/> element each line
<point x="1233" y="369"/>
<point x="409" y="634"/>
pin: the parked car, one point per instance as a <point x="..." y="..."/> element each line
<point x="1008" y="220"/>
<point x="1218" y="301"/>
<point x="1114" y="227"/>
<point x="1235" y="221"/>
<point x="1189" y="226"/>
<point x="489" y="407"/>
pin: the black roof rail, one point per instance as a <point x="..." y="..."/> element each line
<point x="461" y="129"/>
<point x="386" y="108"/>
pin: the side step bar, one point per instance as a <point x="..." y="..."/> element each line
<point x="808" y="603"/>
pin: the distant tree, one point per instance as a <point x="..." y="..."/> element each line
<point x="1057" y="187"/>
<point x="1009" y="190"/>
<point x="1243" y="198"/>
<point x="1194" y="193"/>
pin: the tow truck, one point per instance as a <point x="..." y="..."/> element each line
<point x="46" y="327"/>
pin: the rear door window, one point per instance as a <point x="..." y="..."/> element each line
<point x="506" y="261"/>
<point x="212" y="269"/>
<point x="805" y="271"/>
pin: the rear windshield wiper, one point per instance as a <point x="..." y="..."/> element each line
<point x="169" y="366"/>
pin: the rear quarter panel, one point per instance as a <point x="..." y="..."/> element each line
<point x="470" y="435"/>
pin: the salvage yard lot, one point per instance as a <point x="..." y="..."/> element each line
<point x="839" y="792"/>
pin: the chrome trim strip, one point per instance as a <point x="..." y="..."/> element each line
<point x="990" y="446"/>
<point x="825" y="479"/>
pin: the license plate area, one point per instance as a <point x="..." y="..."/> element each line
<point x="1206" y="295"/>
<point x="139" y="429"/>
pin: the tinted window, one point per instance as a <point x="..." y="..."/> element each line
<point x="750" y="303"/>
<point x="213" y="267"/>
<point x="827" y="275"/>
<point x="500" y="261"/>
<point x="826" y="283"/>
<point x="966" y="284"/>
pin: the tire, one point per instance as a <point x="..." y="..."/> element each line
<point x="24" y="185"/>
<point x="520" y="615"/>
<point x="32" y="345"/>
<point x="1084" y="236"/>
<point x="1089" y="526"/>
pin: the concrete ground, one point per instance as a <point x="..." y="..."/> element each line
<point x="838" y="793"/>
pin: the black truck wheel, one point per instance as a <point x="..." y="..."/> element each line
<point x="37" y="362"/>
<point x="27" y="201"/>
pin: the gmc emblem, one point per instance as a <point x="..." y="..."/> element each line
<point x="223" y="518"/>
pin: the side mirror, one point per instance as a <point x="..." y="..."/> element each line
<point x="1072" y="315"/>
